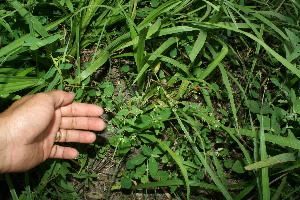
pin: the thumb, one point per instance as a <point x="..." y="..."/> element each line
<point x="61" y="98"/>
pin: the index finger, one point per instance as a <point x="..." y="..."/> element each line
<point x="76" y="109"/>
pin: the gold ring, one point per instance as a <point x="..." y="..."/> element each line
<point x="57" y="137"/>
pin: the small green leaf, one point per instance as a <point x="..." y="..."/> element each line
<point x="130" y="165"/>
<point x="65" y="66"/>
<point x="228" y="163"/>
<point x="145" y="179"/>
<point x="140" y="171"/>
<point x="125" y="68"/>
<point x="135" y="110"/>
<point x="126" y="183"/>
<point x="154" y="3"/>
<point x="266" y="122"/>
<point x="275" y="82"/>
<point x="173" y="53"/>
<point x="123" y="112"/>
<point x="238" y="167"/>
<point x="124" y="146"/>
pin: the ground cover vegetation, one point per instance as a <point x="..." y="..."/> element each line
<point x="201" y="97"/>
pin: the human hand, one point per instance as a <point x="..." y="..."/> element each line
<point x="28" y="129"/>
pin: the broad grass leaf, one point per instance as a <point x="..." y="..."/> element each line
<point x="278" y="159"/>
<point x="279" y="140"/>
<point x="198" y="45"/>
<point x="17" y="44"/>
<point x="32" y="20"/>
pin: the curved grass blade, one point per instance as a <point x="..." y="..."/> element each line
<point x="198" y="45"/>
<point x="226" y="80"/>
<point x="158" y="11"/>
<point x="278" y="57"/>
<point x="244" y="192"/>
<point x="214" y="63"/>
<point x="280" y="189"/>
<point x="158" y="52"/>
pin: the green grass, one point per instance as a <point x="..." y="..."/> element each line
<point x="202" y="96"/>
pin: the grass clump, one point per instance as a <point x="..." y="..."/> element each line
<point x="201" y="97"/>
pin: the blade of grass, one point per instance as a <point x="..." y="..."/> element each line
<point x="263" y="155"/>
<point x="226" y="81"/>
<point x="11" y="187"/>
<point x="28" y="190"/>
<point x="280" y="188"/>
<point x="216" y="123"/>
<point x="167" y="6"/>
<point x="244" y="192"/>
<point x="176" y="183"/>
<point x="94" y="66"/>
<point x="214" y="63"/>
<point x="220" y="170"/>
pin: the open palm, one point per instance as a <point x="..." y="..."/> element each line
<point x="29" y="129"/>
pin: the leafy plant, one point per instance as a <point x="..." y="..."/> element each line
<point x="202" y="95"/>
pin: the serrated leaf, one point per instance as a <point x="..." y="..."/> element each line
<point x="153" y="167"/>
<point x="139" y="159"/>
<point x="162" y="175"/>
<point x="147" y="151"/>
